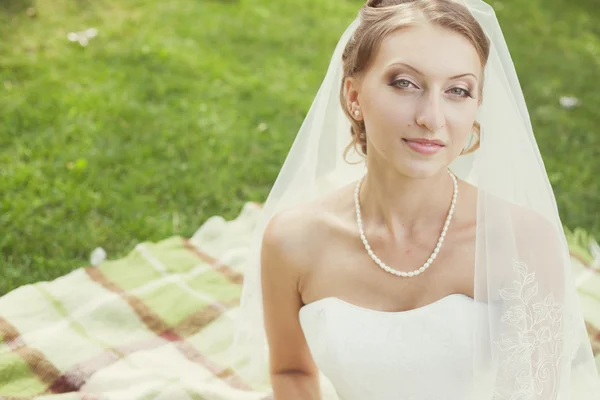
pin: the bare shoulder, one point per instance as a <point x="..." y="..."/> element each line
<point x="537" y="240"/>
<point x="299" y="234"/>
<point x="525" y="219"/>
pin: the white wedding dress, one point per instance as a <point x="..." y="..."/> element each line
<point x="420" y="354"/>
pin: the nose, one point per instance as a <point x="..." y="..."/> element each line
<point x="430" y="114"/>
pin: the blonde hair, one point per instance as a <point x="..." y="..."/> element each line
<point x="378" y="19"/>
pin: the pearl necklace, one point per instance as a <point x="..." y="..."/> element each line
<point x="435" y="251"/>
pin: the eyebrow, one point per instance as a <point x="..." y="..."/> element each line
<point x="420" y="73"/>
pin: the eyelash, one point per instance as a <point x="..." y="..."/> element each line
<point x="465" y="92"/>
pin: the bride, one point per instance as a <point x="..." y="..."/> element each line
<point x="431" y="265"/>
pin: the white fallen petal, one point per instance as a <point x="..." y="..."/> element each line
<point x="569" y="102"/>
<point x="91" y="32"/>
<point x="98" y="256"/>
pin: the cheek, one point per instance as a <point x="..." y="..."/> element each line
<point x="387" y="116"/>
<point x="460" y="124"/>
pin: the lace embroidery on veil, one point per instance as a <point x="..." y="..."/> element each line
<point x="535" y="349"/>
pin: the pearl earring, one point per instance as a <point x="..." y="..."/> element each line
<point x="356" y="113"/>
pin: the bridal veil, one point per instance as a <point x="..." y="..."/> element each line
<point x="530" y="339"/>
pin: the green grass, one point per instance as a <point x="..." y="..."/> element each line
<point x="154" y="126"/>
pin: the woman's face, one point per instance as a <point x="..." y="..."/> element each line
<point x="418" y="98"/>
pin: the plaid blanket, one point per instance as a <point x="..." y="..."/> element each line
<point x="156" y="323"/>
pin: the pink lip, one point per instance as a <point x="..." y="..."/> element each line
<point x="424" y="146"/>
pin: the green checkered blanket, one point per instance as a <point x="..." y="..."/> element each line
<point x="156" y="323"/>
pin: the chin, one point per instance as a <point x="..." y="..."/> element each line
<point x="422" y="169"/>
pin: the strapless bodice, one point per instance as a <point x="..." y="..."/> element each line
<point x="420" y="354"/>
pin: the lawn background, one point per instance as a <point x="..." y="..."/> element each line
<point x="180" y="110"/>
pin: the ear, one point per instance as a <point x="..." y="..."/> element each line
<point x="351" y="92"/>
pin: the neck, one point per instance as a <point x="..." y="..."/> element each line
<point x="401" y="204"/>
